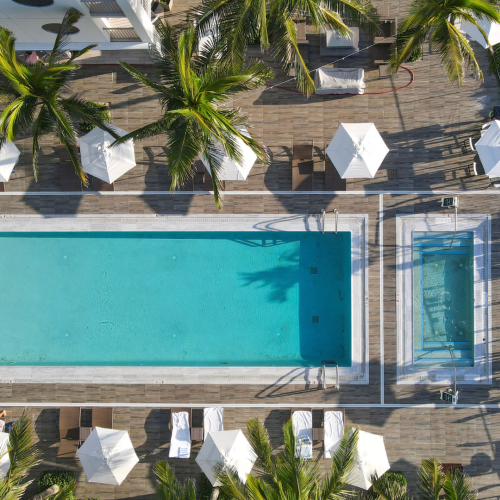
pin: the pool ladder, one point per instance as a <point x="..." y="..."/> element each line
<point x="323" y="216"/>
<point x="323" y="374"/>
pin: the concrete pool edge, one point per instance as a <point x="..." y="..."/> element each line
<point x="356" y="224"/>
<point x="480" y="225"/>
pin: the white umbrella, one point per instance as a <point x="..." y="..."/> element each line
<point x="107" y="456"/>
<point x="371" y="459"/>
<point x="491" y="28"/>
<point x="488" y="149"/>
<point x="230" y="169"/>
<point x="357" y="150"/>
<point x="230" y="448"/>
<point x="105" y="162"/>
<point x="4" y="454"/>
<point x="9" y="154"/>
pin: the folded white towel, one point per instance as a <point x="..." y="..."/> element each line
<point x="213" y="419"/>
<point x="180" y="444"/>
<point x="302" y="430"/>
<point x="334" y="430"/>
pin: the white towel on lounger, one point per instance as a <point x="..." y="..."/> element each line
<point x="302" y="430"/>
<point x="180" y="443"/>
<point x="334" y="430"/>
<point x="213" y="420"/>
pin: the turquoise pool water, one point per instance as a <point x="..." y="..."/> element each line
<point x="176" y="299"/>
<point x="443" y="299"/>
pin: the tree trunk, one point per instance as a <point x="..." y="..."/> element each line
<point x="47" y="493"/>
<point x="215" y="494"/>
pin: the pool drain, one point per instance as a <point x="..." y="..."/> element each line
<point x="314" y="270"/>
<point x="315" y="319"/>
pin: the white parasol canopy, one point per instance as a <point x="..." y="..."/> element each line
<point x="107" y="456"/>
<point x="230" y="448"/>
<point x="231" y="170"/>
<point x="488" y="149"/>
<point x="4" y="454"/>
<point x="371" y="459"/>
<point x="105" y="162"/>
<point x="491" y="28"/>
<point x="9" y="154"/>
<point x="357" y="150"/>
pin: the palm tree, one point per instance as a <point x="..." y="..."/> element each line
<point x="23" y="457"/>
<point x="432" y="483"/>
<point x="287" y="477"/>
<point x="271" y="23"/>
<point x="438" y="18"/>
<point x="168" y="487"/>
<point x="192" y="91"/>
<point x="36" y="95"/>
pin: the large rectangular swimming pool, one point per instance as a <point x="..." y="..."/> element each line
<point x="176" y="299"/>
<point x="443" y="298"/>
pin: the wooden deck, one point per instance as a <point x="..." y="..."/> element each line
<point x="422" y="124"/>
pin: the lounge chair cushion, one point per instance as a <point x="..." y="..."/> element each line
<point x="334" y="430"/>
<point x="302" y="430"/>
<point x="340" y="81"/>
<point x="180" y="443"/>
<point x="212" y="420"/>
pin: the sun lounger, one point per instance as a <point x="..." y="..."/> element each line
<point x="302" y="175"/>
<point x="69" y="180"/>
<point x="333" y="181"/>
<point x="69" y="431"/>
<point x="333" y="428"/>
<point x="303" y="432"/>
<point x="180" y="442"/>
<point x="339" y="81"/>
<point x="213" y="420"/>
<point x="102" y="417"/>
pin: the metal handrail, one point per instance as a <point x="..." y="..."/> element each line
<point x="337" y="380"/>
<point x="323" y="215"/>
<point x="336" y="220"/>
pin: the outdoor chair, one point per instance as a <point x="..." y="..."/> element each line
<point x="303" y="431"/>
<point x="332" y="431"/>
<point x="471" y="169"/>
<point x="180" y="425"/>
<point x="213" y="421"/>
<point x="69" y="180"/>
<point x="302" y="150"/>
<point x="102" y="417"/>
<point x="467" y="146"/>
<point x="69" y="431"/>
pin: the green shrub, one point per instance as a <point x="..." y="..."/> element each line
<point x="391" y="477"/>
<point x="397" y="477"/>
<point x="51" y="477"/>
<point x="205" y="489"/>
<point x="85" y="127"/>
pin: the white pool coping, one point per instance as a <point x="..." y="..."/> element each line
<point x="480" y="225"/>
<point x="358" y="373"/>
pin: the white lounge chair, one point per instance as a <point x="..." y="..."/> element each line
<point x="180" y="442"/>
<point x="213" y="420"/>
<point x="339" y="81"/>
<point x="303" y="432"/>
<point x="333" y="424"/>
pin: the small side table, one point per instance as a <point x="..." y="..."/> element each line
<point x="84" y="433"/>
<point x="196" y="433"/>
<point x="318" y="433"/>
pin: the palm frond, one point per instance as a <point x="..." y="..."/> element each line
<point x="387" y="487"/>
<point x="259" y="440"/>
<point x="71" y="17"/>
<point x="459" y="486"/>
<point x="43" y="125"/>
<point x="430" y="479"/>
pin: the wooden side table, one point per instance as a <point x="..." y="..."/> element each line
<point x="196" y="433"/>
<point x="84" y="433"/>
<point x="318" y="433"/>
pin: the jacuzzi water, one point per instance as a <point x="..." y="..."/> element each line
<point x="176" y="299"/>
<point x="443" y="299"/>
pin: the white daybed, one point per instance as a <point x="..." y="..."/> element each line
<point x="339" y="81"/>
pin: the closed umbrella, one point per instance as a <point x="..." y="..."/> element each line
<point x="4" y="454"/>
<point x="488" y="149"/>
<point x="491" y="28"/>
<point x="107" y="456"/>
<point x="230" y="169"/>
<point x="357" y="150"/>
<point x="103" y="161"/>
<point x="230" y="448"/>
<point x="9" y="155"/>
<point x="371" y="459"/>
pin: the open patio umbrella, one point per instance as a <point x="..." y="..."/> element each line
<point x="230" y="448"/>
<point x="491" y="28"/>
<point x="4" y="454"/>
<point x="230" y="169"/>
<point x="371" y="459"/>
<point x="357" y="150"/>
<point x="488" y="149"/>
<point x="9" y="155"/>
<point x="107" y="456"/>
<point x="105" y="162"/>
